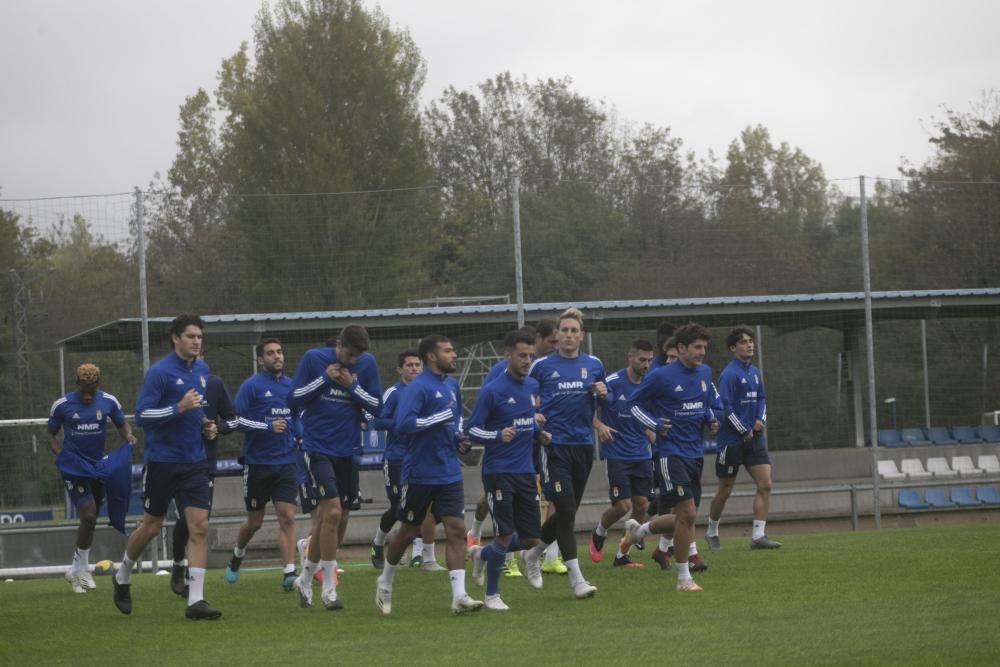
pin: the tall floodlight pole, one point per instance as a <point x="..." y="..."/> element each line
<point x="143" y="303"/>
<point x="870" y="352"/>
<point x="518" y="272"/>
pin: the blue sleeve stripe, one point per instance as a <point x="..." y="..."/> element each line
<point x="312" y="386"/>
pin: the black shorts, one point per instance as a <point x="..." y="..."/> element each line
<point x="82" y="490"/>
<point x="263" y="483"/>
<point x="629" y="478"/>
<point x="565" y="470"/>
<point x="393" y="487"/>
<point x="333" y="477"/>
<point x="680" y="480"/>
<point x="186" y="483"/>
<point x="443" y="500"/>
<point x="513" y="502"/>
<point x="747" y="454"/>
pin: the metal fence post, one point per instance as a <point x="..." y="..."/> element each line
<point x="518" y="271"/>
<point x="143" y="303"/>
<point x="870" y="351"/>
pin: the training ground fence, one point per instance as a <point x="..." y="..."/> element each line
<point x="902" y="273"/>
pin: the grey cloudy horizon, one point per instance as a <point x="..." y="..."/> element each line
<point x="91" y="91"/>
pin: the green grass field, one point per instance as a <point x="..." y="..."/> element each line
<point x="898" y="596"/>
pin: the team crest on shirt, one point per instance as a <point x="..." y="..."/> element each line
<point x="583" y="373"/>
<point x="704" y="387"/>
<point x="99" y="414"/>
<point x="203" y="382"/>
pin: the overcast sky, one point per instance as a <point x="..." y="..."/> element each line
<point x="89" y="91"/>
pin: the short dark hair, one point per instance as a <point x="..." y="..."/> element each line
<point x="544" y="327"/>
<point x="641" y="345"/>
<point x="331" y="341"/>
<point x="691" y="332"/>
<point x="264" y="343"/>
<point x="430" y="344"/>
<point x="404" y="355"/>
<point x="513" y="338"/>
<point x="669" y="343"/>
<point x="738" y="332"/>
<point x="355" y="337"/>
<point x="183" y="321"/>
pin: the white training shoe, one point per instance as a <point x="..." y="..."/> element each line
<point x="532" y="568"/>
<point x="383" y="597"/>
<point x="75" y="581"/>
<point x="87" y="580"/>
<point x="584" y="590"/>
<point x="478" y="566"/>
<point x="330" y="600"/>
<point x="632" y="531"/>
<point x="495" y="603"/>
<point x="432" y="566"/>
<point x="305" y="591"/>
<point x="465" y="604"/>
<point x="688" y="585"/>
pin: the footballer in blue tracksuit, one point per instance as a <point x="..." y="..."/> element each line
<point x="503" y="421"/>
<point x="269" y="461"/>
<point x="628" y="455"/>
<point x="333" y="388"/>
<point x="83" y="414"/>
<point x="677" y="401"/>
<point x="169" y="409"/>
<point x="571" y="387"/>
<point x="742" y="438"/>
<point x="429" y="415"/>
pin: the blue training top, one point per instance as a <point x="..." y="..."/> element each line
<point x="429" y="414"/>
<point x="568" y="401"/>
<point x="742" y="393"/>
<point x="83" y="425"/>
<point x="502" y="403"/>
<point x="685" y="396"/>
<point x="262" y="399"/>
<point x="395" y="442"/>
<point x="629" y="443"/>
<point x="171" y="436"/>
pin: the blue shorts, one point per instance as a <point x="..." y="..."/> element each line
<point x="565" y="470"/>
<point x="186" y="483"/>
<point x="82" y="490"/>
<point x="747" y="454"/>
<point x="680" y="480"/>
<point x="333" y="477"/>
<point x="513" y="502"/>
<point x="443" y="500"/>
<point x="263" y="483"/>
<point x="393" y="487"/>
<point x="629" y="478"/>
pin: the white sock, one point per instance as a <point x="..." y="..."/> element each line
<point x="683" y="572"/>
<point x="417" y="549"/>
<point x="388" y="573"/>
<point x="758" y="529"/>
<point x="308" y="567"/>
<point x="644" y="530"/>
<point x="289" y="568"/>
<point x="196" y="584"/>
<point x="575" y="576"/>
<point x="328" y="567"/>
<point x="457" y="583"/>
<point x="477" y="528"/>
<point x="379" y="538"/>
<point x="601" y="530"/>
<point x="552" y="552"/>
<point x="124" y="573"/>
<point x="239" y="553"/>
<point x="666" y="543"/>
<point x="429" y="556"/>
<point x="81" y="559"/>
<point x="692" y="549"/>
<point x="619" y="553"/>
<point x="713" y="528"/>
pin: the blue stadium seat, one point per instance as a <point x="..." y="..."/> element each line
<point x="966" y="435"/>
<point x="914" y="437"/>
<point x="911" y="499"/>
<point x="963" y="496"/>
<point x="988" y="495"/>
<point x="939" y="497"/>
<point x="989" y="433"/>
<point x="939" y="435"/>
<point x="889" y="437"/>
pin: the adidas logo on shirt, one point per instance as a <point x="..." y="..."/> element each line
<point x="179" y="381"/>
<point x="511" y="400"/>
<point x="678" y="388"/>
<point x="437" y="394"/>
<point x="621" y="398"/>
<point x="555" y="374"/>
<point x="267" y="393"/>
<point x="76" y="416"/>
<point x="743" y="380"/>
